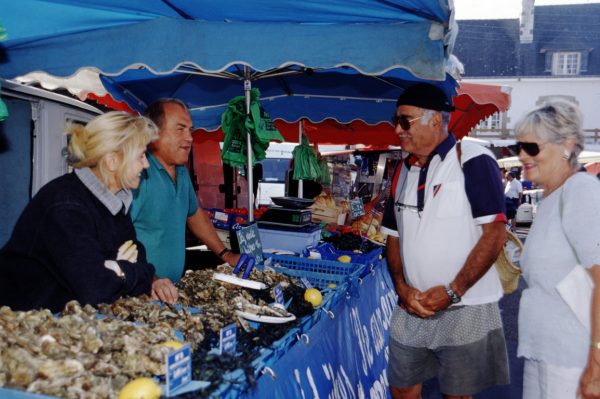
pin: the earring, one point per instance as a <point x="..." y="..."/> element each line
<point x="566" y="154"/>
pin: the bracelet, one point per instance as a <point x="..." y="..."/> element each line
<point x="595" y="344"/>
<point x="223" y="252"/>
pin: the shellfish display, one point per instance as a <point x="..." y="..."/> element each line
<point x="143" y="310"/>
<point x="92" y="353"/>
<point x="77" y="355"/>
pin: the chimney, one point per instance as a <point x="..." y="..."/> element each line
<point x="526" y="26"/>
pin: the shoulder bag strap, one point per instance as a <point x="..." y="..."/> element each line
<point x="561" y="206"/>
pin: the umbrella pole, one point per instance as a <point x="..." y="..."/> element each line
<point x="250" y="174"/>
<point x="300" y="133"/>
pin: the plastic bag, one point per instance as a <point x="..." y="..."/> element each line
<point x="306" y="166"/>
<point x="3" y="108"/>
<point x="234" y="130"/>
<point x="235" y="123"/>
<point x="324" y="167"/>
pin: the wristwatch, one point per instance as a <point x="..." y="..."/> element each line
<point x="454" y="297"/>
<point x="223" y="252"/>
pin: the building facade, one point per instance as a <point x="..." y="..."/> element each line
<point x="549" y="52"/>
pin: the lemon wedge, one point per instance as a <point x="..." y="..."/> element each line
<point x="313" y="296"/>
<point x="344" y="259"/>
<point x="173" y="344"/>
<point x="141" y="388"/>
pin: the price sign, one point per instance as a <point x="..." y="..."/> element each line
<point x="228" y="339"/>
<point x="179" y="368"/>
<point x="249" y="241"/>
<point x="357" y="208"/>
<point x="278" y="294"/>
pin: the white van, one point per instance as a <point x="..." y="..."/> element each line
<point x="32" y="144"/>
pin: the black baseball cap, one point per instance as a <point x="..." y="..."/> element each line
<point x="425" y="95"/>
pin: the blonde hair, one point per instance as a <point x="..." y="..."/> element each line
<point x="114" y="131"/>
<point x="555" y="122"/>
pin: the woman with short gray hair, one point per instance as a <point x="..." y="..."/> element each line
<point x="562" y="356"/>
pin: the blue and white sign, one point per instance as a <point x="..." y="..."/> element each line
<point x="354" y="367"/>
<point x="278" y="294"/>
<point x="249" y="241"/>
<point x="357" y="208"/>
<point x="179" y="368"/>
<point x="228" y="339"/>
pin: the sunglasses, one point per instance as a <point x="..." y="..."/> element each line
<point x="404" y="121"/>
<point x="531" y="149"/>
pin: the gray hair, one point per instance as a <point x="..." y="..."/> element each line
<point x="555" y="122"/>
<point x="428" y="114"/>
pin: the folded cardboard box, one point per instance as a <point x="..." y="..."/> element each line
<point x="328" y="214"/>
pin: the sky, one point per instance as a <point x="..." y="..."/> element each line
<point x="496" y="9"/>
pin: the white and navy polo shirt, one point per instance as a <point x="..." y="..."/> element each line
<point x="438" y="210"/>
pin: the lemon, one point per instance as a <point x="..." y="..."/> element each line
<point x="358" y="251"/>
<point x="331" y="285"/>
<point x="344" y="259"/>
<point x="173" y="344"/>
<point x="313" y="296"/>
<point x="141" y="388"/>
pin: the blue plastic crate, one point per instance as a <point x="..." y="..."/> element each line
<point x="220" y="219"/>
<point x="319" y="272"/>
<point x="370" y="259"/>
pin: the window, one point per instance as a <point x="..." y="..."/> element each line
<point x="274" y="169"/>
<point x="564" y="63"/>
<point x="493" y="122"/>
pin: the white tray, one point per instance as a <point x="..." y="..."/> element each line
<point x="228" y="278"/>
<point x="265" y="319"/>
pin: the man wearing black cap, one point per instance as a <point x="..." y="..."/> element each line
<point x="445" y="228"/>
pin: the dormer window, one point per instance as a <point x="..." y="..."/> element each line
<point x="566" y="63"/>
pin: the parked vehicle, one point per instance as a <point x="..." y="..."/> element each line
<point x="32" y="144"/>
<point x="526" y="212"/>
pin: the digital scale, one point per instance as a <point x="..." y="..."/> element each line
<point x="278" y="215"/>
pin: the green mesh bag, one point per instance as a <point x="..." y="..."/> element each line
<point x="306" y="166"/>
<point x="235" y="123"/>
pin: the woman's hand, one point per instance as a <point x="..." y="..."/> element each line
<point x="128" y="251"/>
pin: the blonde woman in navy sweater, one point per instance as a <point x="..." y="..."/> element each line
<point x="74" y="240"/>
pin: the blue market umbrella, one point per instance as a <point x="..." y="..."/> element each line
<point x="329" y="47"/>
<point x="290" y="93"/>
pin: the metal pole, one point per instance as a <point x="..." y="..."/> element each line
<point x="249" y="175"/>
<point x="300" y="132"/>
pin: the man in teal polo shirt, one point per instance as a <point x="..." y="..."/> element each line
<point x="165" y="201"/>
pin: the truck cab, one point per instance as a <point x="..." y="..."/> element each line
<point x="33" y="144"/>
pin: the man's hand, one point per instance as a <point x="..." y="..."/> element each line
<point x="410" y="298"/>
<point x="128" y="251"/>
<point x="231" y="258"/>
<point x="435" y="299"/>
<point x="164" y="290"/>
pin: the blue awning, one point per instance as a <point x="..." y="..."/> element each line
<point x="373" y="37"/>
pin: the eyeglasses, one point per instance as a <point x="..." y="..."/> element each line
<point x="404" y="121"/>
<point x="532" y="149"/>
<point x="411" y="208"/>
